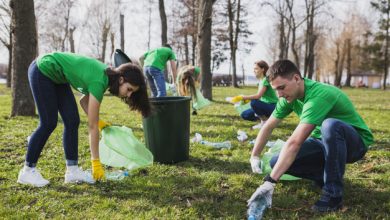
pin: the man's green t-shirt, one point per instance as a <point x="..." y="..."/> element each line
<point x="158" y="57"/>
<point x="269" y="96"/>
<point x="87" y="75"/>
<point x="322" y="101"/>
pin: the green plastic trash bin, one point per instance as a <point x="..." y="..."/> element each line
<point x="167" y="130"/>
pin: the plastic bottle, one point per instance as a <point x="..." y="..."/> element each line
<point x="257" y="208"/>
<point x="116" y="175"/>
<point x="218" y="145"/>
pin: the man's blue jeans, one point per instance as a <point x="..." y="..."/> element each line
<point x="51" y="98"/>
<point x="323" y="160"/>
<point x="156" y="81"/>
<point x="258" y="108"/>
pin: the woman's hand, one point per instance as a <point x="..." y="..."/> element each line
<point x="97" y="170"/>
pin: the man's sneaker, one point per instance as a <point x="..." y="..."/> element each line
<point x="31" y="176"/>
<point x="258" y="126"/>
<point x="328" y="204"/>
<point x="74" y="174"/>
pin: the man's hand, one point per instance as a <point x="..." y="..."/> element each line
<point x="97" y="170"/>
<point x="103" y="124"/>
<point x="256" y="164"/>
<point x="266" y="190"/>
<point x="236" y="99"/>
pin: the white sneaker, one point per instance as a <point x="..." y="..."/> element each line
<point x="31" y="176"/>
<point x="258" y="126"/>
<point x="74" y="174"/>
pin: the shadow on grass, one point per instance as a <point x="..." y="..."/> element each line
<point x="214" y="164"/>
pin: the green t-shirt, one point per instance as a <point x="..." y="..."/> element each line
<point x="158" y="57"/>
<point x="322" y="101"/>
<point x="269" y="96"/>
<point x="87" y="75"/>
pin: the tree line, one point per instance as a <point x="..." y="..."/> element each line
<point x="205" y="33"/>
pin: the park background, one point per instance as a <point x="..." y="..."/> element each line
<point x="334" y="41"/>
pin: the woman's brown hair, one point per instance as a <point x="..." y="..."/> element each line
<point x="132" y="74"/>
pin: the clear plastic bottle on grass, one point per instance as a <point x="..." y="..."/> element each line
<point x="257" y="208"/>
<point x="116" y="175"/>
<point x="218" y="145"/>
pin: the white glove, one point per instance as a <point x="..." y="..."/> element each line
<point x="266" y="190"/>
<point x="256" y="164"/>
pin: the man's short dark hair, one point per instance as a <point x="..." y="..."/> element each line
<point x="282" y="68"/>
<point x="167" y="45"/>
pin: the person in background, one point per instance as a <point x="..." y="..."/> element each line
<point x="263" y="102"/>
<point x="51" y="77"/>
<point x="329" y="135"/>
<point x="154" y="62"/>
<point x="187" y="81"/>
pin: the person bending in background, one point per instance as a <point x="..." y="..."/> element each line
<point x="154" y="62"/>
<point x="187" y="81"/>
<point x="263" y="102"/>
<point x="51" y="77"/>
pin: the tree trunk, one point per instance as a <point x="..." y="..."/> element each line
<point x="164" y="26"/>
<point x="349" y="60"/>
<point x="106" y="30"/>
<point x="310" y="40"/>
<point x="67" y="17"/>
<point x="340" y="66"/>
<point x="122" y="30"/>
<point x="25" y="45"/>
<point x="204" y="45"/>
<point x="186" y="50"/>
<point x="71" y="39"/>
<point x="112" y="38"/>
<point x="281" y="38"/>
<point x="9" y="70"/>
<point x="194" y="34"/>
<point x="386" y="66"/>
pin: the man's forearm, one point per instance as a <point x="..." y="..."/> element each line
<point x="261" y="140"/>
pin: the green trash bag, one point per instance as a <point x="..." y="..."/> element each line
<point x="119" y="147"/>
<point x="275" y="149"/>
<point x="200" y="101"/>
<point x="241" y="106"/>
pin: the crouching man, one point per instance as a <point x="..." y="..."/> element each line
<point x="330" y="134"/>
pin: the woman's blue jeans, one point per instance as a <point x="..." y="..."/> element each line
<point x="156" y="81"/>
<point x="258" y="108"/>
<point x="323" y="160"/>
<point x="51" y="98"/>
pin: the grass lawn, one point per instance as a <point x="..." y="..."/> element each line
<point x="212" y="184"/>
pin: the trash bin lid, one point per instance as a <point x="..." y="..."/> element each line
<point x="120" y="58"/>
<point x="169" y="99"/>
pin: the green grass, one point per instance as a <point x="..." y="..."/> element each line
<point x="212" y="184"/>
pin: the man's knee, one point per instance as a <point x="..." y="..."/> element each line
<point x="329" y="124"/>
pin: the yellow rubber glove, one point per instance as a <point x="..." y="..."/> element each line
<point x="103" y="124"/>
<point x="236" y="99"/>
<point x="97" y="170"/>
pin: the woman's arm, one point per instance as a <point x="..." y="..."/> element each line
<point x="258" y="95"/>
<point x="93" y="118"/>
